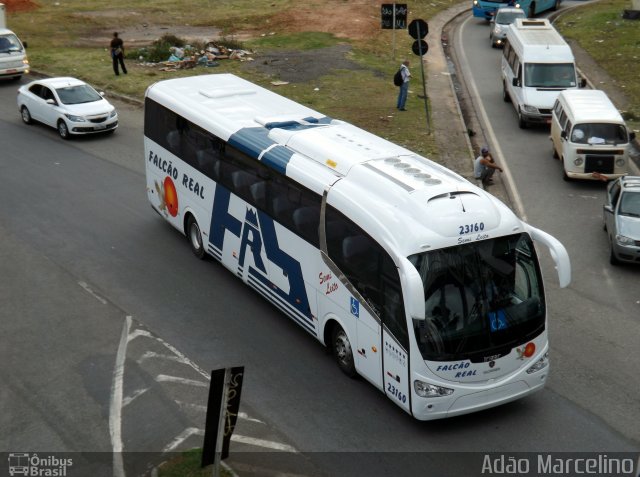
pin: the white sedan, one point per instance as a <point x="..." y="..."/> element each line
<point x="67" y="104"/>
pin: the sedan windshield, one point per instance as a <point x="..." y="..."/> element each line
<point x="599" y="133"/>
<point x="630" y="204"/>
<point x="550" y="75"/>
<point x="481" y="299"/>
<point x="78" y="94"/>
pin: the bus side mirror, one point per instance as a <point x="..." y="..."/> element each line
<point x="608" y="208"/>
<point x="515" y="82"/>
<point x="563" y="135"/>
<point x="632" y="136"/>
<point x="582" y="83"/>
<point x="414" y="295"/>
<point x="558" y="254"/>
<point x="24" y="44"/>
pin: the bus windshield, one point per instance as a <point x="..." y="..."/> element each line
<point x="550" y="75"/>
<point x="481" y="299"/>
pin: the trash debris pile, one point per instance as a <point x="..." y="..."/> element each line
<point x="188" y="56"/>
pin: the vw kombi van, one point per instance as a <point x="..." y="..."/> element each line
<point x="589" y="136"/>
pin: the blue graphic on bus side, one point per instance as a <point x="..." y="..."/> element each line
<point x="256" y="233"/>
<point x="355" y="307"/>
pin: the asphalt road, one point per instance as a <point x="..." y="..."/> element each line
<point x="594" y="324"/>
<point x="83" y="252"/>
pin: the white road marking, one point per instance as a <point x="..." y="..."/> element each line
<point x="183" y="436"/>
<point x="127" y="400"/>
<point x="115" y="408"/>
<point x="88" y="289"/>
<point x="153" y="354"/>
<point x="197" y="407"/>
<point x="163" y="378"/>
<point x="245" y="416"/>
<point x="181" y="357"/>
<point x="263" y="443"/>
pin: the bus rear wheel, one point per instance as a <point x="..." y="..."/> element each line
<point x="195" y="237"/>
<point x="343" y="352"/>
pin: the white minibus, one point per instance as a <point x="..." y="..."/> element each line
<point x="536" y="65"/>
<point x="589" y="136"/>
<point x="419" y="281"/>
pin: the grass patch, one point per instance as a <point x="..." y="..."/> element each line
<point x="298" y="41"/>
<point x="611" y="41"/>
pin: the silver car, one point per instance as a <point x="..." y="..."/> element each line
<point x="622" y="219"/>
<point x="504" y="17"/>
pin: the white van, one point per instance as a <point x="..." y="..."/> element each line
<point x="13" y="57"/>
<point x="589" y="136"/>
<point x="536" y="65"/>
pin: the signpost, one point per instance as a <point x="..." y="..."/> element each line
<point x="418" y="29"/>
<point x="222" y="414"/>
<point x="394" y="17"/>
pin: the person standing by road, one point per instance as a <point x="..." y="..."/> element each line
<point x="485" y="166"/>
<point x="404" y="87"/>
<point x="117" y="54"/>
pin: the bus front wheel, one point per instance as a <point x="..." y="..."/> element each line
<point x="195" y="237"/>
<point x="343" y="352"/>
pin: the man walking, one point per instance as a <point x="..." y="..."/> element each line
<point x="117" y="54"/>
<point x="404" y="87"/>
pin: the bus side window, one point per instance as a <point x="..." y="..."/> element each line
<point x="173" y="141"/>
<point x="258" y="192"/>
<point x="241" y="182"/>
<point x="306" y="221"/>
<point x="208" y="163"/>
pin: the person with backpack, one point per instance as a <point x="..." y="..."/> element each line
<point x="401" y="79"/>
<point x="117" y="54"/>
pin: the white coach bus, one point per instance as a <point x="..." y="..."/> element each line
<point x="419" y="281"/>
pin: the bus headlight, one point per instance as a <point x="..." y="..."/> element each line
<point x="620" y="162"/>
<point x="475" y="3"/>
<point x="540" y="364"/>
<point x="430" y="390"/>
<point x="578" y="161"/>
<point x="530" y="109"/>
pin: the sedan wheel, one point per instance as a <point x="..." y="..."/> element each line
<point x="26" y="115"/>
<point x="63" y="130"/>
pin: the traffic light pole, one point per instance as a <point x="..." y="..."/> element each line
<point x="424" y="89"/>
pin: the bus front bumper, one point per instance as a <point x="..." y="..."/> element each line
<point x="464" y="401"/>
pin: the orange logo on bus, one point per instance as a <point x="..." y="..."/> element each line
<point x="170" y="196"/>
